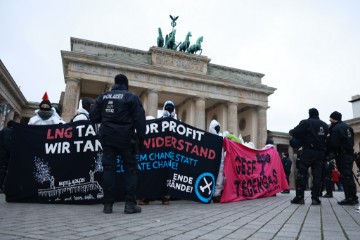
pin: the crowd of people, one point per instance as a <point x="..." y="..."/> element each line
<point x="328" y="151"/>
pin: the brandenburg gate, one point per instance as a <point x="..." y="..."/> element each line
<point x="201" y="91"/>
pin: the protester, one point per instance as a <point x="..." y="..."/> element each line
<point x="120" y="113"/>
<point x="312" y="133"/>
<point x="46" y="114"/>
<point x="83" y="111"/>
<point x="340" y="144"/>
<point x="6" y="139"/>
<point x="214" y="128"/>
<point x="335" y="178"/>
<point x="167" y="111"/>
<point x="287" y="169"/>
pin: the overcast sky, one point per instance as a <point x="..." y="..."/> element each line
<point x="309" y="50"/>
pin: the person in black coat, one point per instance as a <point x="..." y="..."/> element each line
<point x="312" y="133"/>
<point x="287" y="169"/>
<point x="6" y="139"/>
<point x="340" y="144"/>
<point x="120" y="113"/>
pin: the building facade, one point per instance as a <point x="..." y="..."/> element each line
<point x="200" y="90"/>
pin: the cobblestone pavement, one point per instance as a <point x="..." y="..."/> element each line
<point x="267" y="218"/>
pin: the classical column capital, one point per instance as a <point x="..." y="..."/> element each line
<point x="69" y="79"/>
<point x="152" y="91"/>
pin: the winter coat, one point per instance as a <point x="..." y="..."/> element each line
<point x="341" y="139"/>
<point x="120" y="113"/>
<point x="312" y="132"/>
<point x="54" y="119"/>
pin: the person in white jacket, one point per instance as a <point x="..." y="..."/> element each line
<point x="46" y="114"/>
<point x="169" y="110"/>
<point x="84" y="108"/>
<point x="214" y="128"/>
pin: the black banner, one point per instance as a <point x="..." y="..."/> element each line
<point x="62" y="163"/>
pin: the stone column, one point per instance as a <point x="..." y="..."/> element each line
<point x="200" y="113"/>
<point x="152" y="103"/>
<point x="262" y="128"/>
<point x="232" y="123"/>
<point x="71" y="98"/>
<point x="223" y="118"/>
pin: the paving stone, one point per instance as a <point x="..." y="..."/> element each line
<point x="266" y="218"/>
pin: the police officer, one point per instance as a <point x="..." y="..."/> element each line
<point x="340" y="144"/>
<point x="312" y="132"/>
<point x="120" y="113"/>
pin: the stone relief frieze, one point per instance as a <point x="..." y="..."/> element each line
<point x="185" y="64"/>
<point x="172" y="82"/>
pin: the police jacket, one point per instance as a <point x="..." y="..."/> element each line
<point x="312" y="132"/>
<point x="341" y="139"/>
<point x="120" y="113"/>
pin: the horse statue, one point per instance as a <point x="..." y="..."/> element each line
<point x="183" y="47"/>
<point x="160" y="39"/>
<point x="196" y="47"/>
<point x="170" y="40"/>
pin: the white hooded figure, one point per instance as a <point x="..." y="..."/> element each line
<point x="46" y="114"/>
<point x="83" y="111"/>
<point x="214" y="128"/>
<point x="169" y="110"/>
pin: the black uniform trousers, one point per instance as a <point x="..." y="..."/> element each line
<point x="128" y="156"/>
<point x="313" y="158"/>
<point x="345" y="164"/>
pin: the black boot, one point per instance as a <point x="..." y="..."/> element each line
<point x="328" y="195"/>
<point x="349" y="201"/>
<point x="108" y="208"/>
<point x="315" y="201"/>
<point x="299" y="199"/>
<point x="131" y="207"/>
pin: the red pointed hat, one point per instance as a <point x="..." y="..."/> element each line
<point x="45" y="100"/>
<point x="45" y="97"/>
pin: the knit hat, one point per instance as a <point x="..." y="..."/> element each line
<point x="45" y="100"/>
<point x="313" y="112"/>
<point x="122" y="80"/>
<point x="336" y="116"/>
